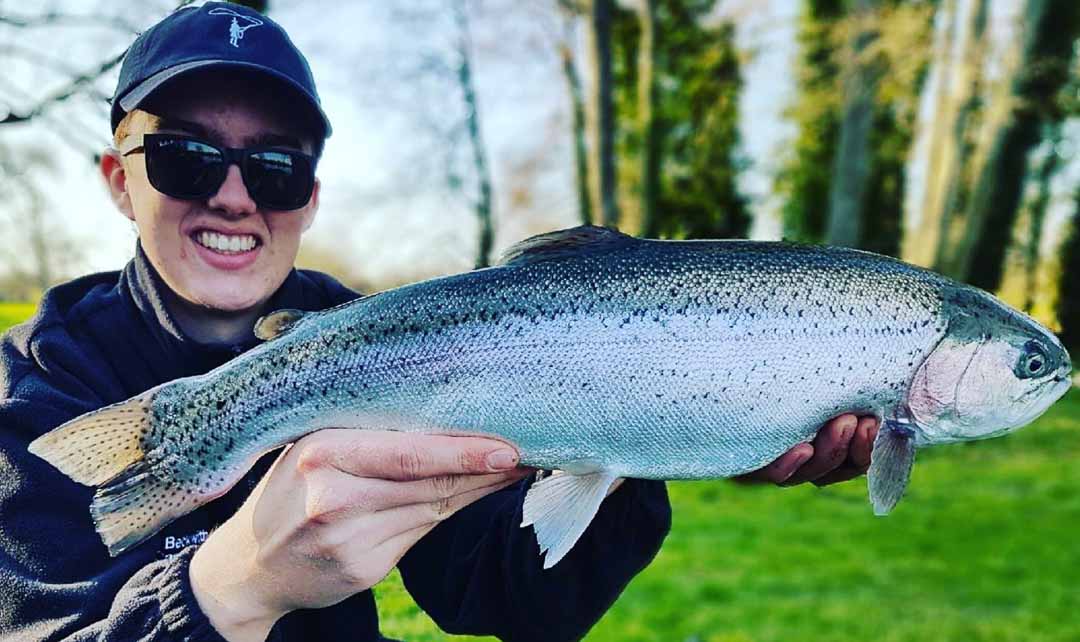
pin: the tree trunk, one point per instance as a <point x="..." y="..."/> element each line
<point x="577" y="110"/>
<point x="1068" y="300"/>
<point x="38" y="239"/>
<point x="921" y="226"/>
<point x="1047" y="168"/>
<point x="602" y="115"/>
<point x="957" y="113"/>
<point x="648" y="121"/>
<point x="472" y="121"/>
<point x="805" y="179"/>
<point x="851" y="167"/>
<point x="960" y="150"/>
<point x="1051" y="26"/>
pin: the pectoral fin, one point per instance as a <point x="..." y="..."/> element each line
<point x="560" y="507"/>
<point x="277" y="323"/>
<point x="890" y="466"/>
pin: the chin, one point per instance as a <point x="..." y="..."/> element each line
<point x="240" y="299"/>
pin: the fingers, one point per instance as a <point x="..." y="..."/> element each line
<point x="830" y="449"/>
<point x="858" y="460"/>
<point x="353" y="538"/>
<point x="334" y="495"/>
<point x="783" y="467"/>
<point x="863" y="442"/>
<point x="403" y="456"/>
<point x="403" y="518"/>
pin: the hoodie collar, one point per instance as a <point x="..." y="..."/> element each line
<point x="148" y="291"/>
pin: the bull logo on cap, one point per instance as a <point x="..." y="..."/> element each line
<point x="236" y="32"/>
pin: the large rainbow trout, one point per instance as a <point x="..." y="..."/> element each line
<point x="598" y="354"/>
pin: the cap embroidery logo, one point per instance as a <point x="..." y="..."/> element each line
<point x="236" y="32"/>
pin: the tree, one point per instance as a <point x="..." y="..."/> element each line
<point x="1068" y="301"/>
<point x="959" y="64"/>
<point x="805" y="179"/>
<point x="648" y="120"/>
<point x="482" y="205"/>
<point x="564" y="46"/>
<point x="845" y="177"/>
<point x="701" y="197"/>
<point x="1051" y="28"/>
<point x="601" y="114"/>
<point x="852" y="161"/>
<point x="38" y="252"/>
<point x="430" y="79"/>
<point x="1045" y="170"/>
<point x="680" y="86"/>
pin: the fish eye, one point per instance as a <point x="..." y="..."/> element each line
<point x="1034" y="362"/>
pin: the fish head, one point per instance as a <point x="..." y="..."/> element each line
<point x="995" y="370"/>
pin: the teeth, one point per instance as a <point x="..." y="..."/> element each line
<point x="225" y="242"/>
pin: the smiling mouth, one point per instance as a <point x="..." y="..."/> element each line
<point x="225" y="243"/>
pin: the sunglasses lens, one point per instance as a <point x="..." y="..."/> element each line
<point x="184" y="168"/>
<point x="279" y="180"/>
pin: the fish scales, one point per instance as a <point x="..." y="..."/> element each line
<point x="537" y="354"/>
<point x="605" y="356"/>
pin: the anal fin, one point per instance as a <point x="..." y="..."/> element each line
<point x="560" y="508"/>
<point x="890" y="465"/>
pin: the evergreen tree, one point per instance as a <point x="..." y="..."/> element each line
<point x="1051" y="30"/>
<point x="888" y="32"/>
<point x="805" y="178"/>
<point x="694" y="122"/>
<point x="1068" y="302"/>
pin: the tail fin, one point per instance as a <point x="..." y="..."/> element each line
<point x="107" y="448"/>
<point x="136" y="504"/>
<point x="97" y="446"/>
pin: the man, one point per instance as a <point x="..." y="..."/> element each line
<point x="217" y="130"/>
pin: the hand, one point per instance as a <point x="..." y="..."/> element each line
<point x="840" y="451"/>
<point x="333" y="516"/>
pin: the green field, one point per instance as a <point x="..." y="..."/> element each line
<point x="12" y="313"/>
<point x="984" y="547"/>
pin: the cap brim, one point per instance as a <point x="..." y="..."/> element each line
<point x="143" y="90"/>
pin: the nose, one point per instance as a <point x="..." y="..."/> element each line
<point x="232" y="197"/>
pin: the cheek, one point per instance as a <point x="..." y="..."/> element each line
<point x="988" y="392"/>
<point x="286" y="229"/>
<point x="933" y="392"/>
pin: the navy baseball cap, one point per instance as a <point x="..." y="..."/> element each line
<point x="215" y="35"/>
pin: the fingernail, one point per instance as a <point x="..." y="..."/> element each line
<point x="502" y="459"/>
<point x="799" y="461"/>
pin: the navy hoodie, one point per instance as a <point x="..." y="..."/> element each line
<point x="107" y="337"/>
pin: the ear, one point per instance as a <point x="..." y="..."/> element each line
<point x="312" y="206"/>
<point x="112" y="170"/>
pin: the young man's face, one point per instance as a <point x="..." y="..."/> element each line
<point x="223" y="252"/>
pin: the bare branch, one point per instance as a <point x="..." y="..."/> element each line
<point x="55" y="18"/>
<point x="77" y="86"/>
<point x="39" y="59"/>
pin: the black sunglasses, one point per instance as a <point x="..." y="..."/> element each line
<point x="190" y="168"/>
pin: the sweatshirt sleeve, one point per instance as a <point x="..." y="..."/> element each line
<point x="58" y="581"/>
<point x="480" y="573"/>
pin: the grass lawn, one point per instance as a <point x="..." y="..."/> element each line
<point x="984" y="547"/>
<point x="12" y="313"/>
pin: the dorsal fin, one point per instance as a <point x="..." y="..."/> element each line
<point x="277" y="323"/>
<point x="562" y="243"/>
